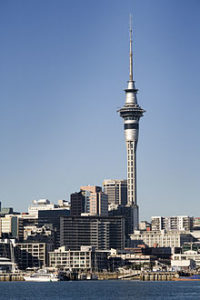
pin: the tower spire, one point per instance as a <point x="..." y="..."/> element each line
<point x="131" y="52"/>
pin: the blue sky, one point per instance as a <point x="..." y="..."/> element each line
<point x="64" y="66"/>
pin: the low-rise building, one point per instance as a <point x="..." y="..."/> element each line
<point x="176" y="223"/>
<point x="186" y="264"/>
<point x="87" y="259"/>
<point x="161" y="238"/>
<point x="186" y="256"/>
<point x="130" y="257"/>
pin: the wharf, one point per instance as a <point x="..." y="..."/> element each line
<point x="11" y="277"/>
<point x="158" y="276"/>
<point x="142" y="276"/>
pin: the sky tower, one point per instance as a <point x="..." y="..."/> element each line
<point x="131" y="112"/>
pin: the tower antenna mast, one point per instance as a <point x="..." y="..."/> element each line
<point x="131" y="51"/>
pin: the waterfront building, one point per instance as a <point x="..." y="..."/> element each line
<point x="186" y="256"/>
<point x="6" y="264"/>
<point x="7" y="256"/>
<point x="131" y="258"/>
<point x="183" y="265"/>
<point x="131" y="112"/>
<point x="5" y="248"/>
<point x="31" y="254"/>
<point x="161" y="238"/>
<point x="117" y="192"/>
<point x="101" y="232"/>
<point x="85" y="259"/>
<point x="181" y="223"/>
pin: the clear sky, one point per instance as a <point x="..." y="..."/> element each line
<point x="63" y="68"/>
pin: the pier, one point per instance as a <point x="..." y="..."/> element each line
<point x="158" y="276"/>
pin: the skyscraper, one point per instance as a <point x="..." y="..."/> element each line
<point x="96" y="202"/>
<point x="116" y="190"/>
<point x="131" y="112"/>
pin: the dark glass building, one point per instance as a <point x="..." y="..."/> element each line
<point x="102" y="232"/>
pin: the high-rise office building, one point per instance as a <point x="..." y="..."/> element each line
<point x="96" y="202"/>
<point x="101" y="232"/>
<point x="90" y="200"/>
<point x="77" y="204"/>
<point x="131" y="112"/>
<point x="116" y="190"/>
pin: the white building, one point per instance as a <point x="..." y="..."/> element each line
<point x="133" y="258"/>
<point x="41" y="204"/>
<point x="45" y="204"/>
<point x="161" y="238"/>
<point x="179" y="265"/>
<point x="87" y="258"/>
<point x="181" y="223"/>
<point x="186" y="256"/>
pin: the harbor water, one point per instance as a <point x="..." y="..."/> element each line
<point x="102" y="290"/>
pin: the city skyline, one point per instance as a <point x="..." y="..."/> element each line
<point x="62" y="84"/>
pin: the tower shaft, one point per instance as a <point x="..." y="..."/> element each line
<point x="131" y="173"/>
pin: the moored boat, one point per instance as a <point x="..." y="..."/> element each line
<point x="42" y="276"/>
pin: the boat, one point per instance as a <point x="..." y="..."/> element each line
<point x="42" y="276"/>
<point x="195" y="277"/>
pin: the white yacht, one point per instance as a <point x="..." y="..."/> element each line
<point x="42" y="276"/>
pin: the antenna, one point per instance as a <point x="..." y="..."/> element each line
<point x="130" y="24"/>
<point x="131" y="53"/>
